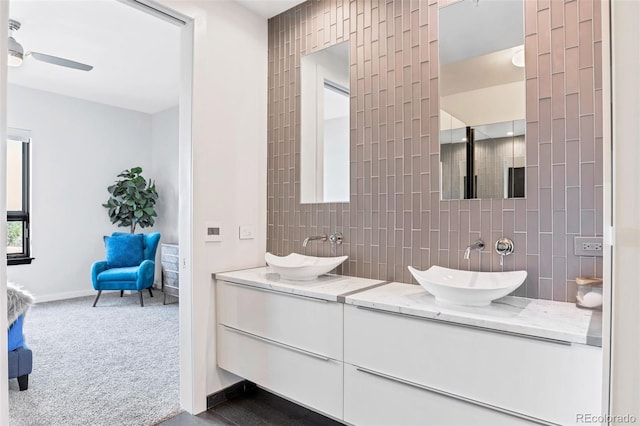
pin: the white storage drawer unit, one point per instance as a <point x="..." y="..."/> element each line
<point x="305" y="377"/>
<point x="540" y="379"/>
<point x="311" y="324"/>
<point x="289" y="344"/>
<point x="372" y="399"/>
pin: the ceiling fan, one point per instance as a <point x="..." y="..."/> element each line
<point x="17" y="54"/>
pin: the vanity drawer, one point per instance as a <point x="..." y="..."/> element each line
<point x="374" y="399"/>
<point x="539" y="379"/>
<point x="307" y="378"/>
<point x="310" y="324"/>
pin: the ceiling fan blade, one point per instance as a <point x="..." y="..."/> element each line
<point x="60" y="61"/>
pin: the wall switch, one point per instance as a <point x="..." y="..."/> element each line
<point x="588" y="246"/>
<point x="213" y="232"/>
<point x="245" y="232"/>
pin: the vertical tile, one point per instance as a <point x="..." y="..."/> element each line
<point x="557" y="96"/>
<point x="573" y="210"/>
<point x="587" y="139"/>
<point x="587" y="190"/>
<point x="532" y="283"/>
<point x="532" y="99"/>
<point x="558" y="141"/>
<point x="586" y="91"/>
<point x="545" y="120"/>
<point x="532" y="232"/>
<point x="559" y="187"/>
<point x="559" y="279"/>
<point x="395" y="213"/>
<point x="546" y="209"/>
<point x="530" y="18"/>
<point x="585" y="43"/>
<point x="557" y="14"/>
<point x="546" y="289"/>
<point x="531" y="56"/>
<point x="544" y="177"/>
<point x="559" y="234"/>
<point x="572" y="117"/>
<point x="544" y="31"/>
<point x="544" y="75"/>
<point x="572" y="77"/>
<point x="571" y="23"/>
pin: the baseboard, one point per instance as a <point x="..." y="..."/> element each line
<point x="230" y="393"/>
<point x="65" y="295"/>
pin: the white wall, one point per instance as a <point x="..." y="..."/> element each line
<point x="4" y="390"/>
<point x="625" y="212"/>
<point x="164" y="169"/>
<point x="78" y="148"/>
<point x="227" y="155"/>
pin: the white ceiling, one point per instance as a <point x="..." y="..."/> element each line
<point x="135" y="55"/>
<point x="269" y="8"/>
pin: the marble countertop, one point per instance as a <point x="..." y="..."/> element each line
<point x="327" y="287"/>
<point x="530" y="317"/>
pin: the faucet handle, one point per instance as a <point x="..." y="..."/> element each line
<point x="336" y="238"/>
<point x="504" y="247"/>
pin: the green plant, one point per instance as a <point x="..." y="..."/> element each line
<point x="132" y="200"/>
<point x="14" y="234"/>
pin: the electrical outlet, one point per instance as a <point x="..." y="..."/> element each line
<point x="588" y="246"/>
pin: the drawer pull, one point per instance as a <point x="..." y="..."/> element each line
<point x="454" y="396"/>
<point x="297" y="296"/>
<point x="273" y="342"/>
<point x="476" y="327"/>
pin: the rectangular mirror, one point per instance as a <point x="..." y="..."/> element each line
<point x="324" y="125"/>
<point x="482" y="99"/>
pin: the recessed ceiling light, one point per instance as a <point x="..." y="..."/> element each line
<point x="518" y="58"/>
<point x="463" y="139"/>
<point x="509" y="133"/>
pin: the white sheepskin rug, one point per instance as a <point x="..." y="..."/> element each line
<point x="18" y="301"/>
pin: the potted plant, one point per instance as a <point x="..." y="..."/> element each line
<point x="132" y="200"/>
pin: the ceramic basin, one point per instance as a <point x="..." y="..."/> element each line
<point x="467" y="288"/>
<point x="302" y="268"/>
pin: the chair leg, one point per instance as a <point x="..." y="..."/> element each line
<point x="23" y="382"/>
<point x="97" y="297"/>
<point x="141" y="302"/>
<point x="151" y="293"/>
<point x="121" y="293"/>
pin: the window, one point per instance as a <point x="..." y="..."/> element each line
<point x="18" y="230"/>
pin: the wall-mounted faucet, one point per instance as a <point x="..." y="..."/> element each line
<point x="335" y="238"/>
<point x="322" y="237"/>
<point x="478" y="245"/>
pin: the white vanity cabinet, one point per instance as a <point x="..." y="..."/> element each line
<point x="405" y="370"/>
<point x="373" y="353"/>
<point x="289" y="344"/>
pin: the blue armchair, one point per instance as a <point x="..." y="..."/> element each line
<point x="129" y="264"/>
<point x="20" y="356"/>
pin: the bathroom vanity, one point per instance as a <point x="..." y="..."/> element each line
<point x="367" y="352"/>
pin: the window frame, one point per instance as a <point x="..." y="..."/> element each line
<point x="22" y="215"/>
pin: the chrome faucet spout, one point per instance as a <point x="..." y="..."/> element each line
<point x="322" y="237"/>
<point x="478" y="245"/>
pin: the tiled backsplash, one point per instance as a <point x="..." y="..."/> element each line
<point x="395" y="216"/>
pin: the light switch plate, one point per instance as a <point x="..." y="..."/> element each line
<point x="213" y="232"/>
<point x="245" y="232"/>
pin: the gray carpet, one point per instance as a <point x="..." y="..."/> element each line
<point x="115" y="364"/>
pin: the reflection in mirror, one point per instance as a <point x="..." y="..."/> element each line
<point x="482" y="99"/>
<point x="324" y="128"/>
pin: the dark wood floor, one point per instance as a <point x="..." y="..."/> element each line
<point x="257" y="407"/>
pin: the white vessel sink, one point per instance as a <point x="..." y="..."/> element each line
<point x="302" y="268"/>
<point x="467" y="288"/>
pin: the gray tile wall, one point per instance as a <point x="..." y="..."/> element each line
<point x="395" y="216"/>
